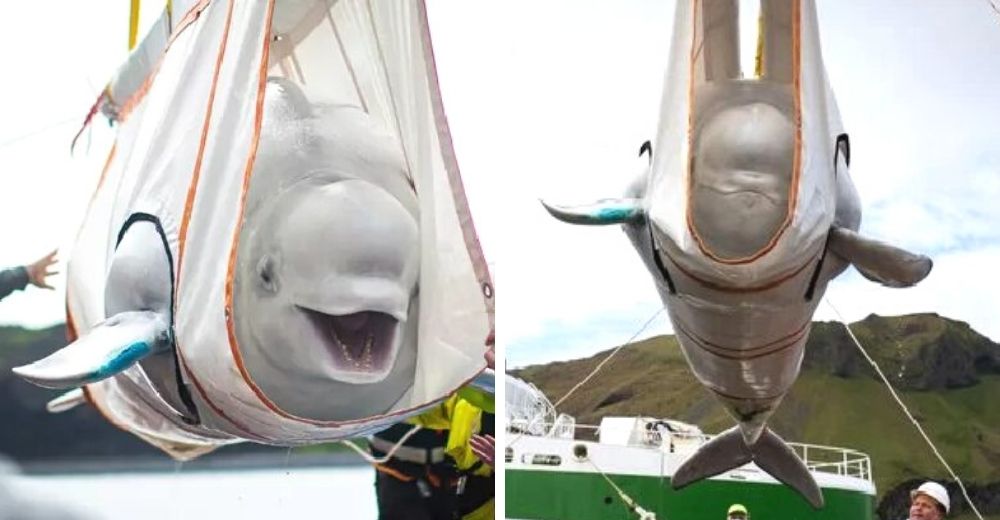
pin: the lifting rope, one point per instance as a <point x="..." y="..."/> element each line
<point x="906" y="410"/>
<point x="589" y="376"/>
<point x="371" y="459"/>
<point x="18" y="138"/>
<point x="632" y="505"/>
<point x="607" y="359"/>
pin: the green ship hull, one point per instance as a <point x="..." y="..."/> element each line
<point x="554" y="495"/>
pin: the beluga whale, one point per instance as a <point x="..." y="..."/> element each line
<point x="329" y="261"/>
<point x="325" y="277"/>
<point x="745" y="213"/>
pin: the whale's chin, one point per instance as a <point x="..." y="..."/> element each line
<point x="361" y="346"/>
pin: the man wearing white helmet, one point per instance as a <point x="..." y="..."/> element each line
<point x="737" y="512"/>
<point x="929" y="502"/>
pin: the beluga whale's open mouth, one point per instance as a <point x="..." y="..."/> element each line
<point x="362" y="345"/>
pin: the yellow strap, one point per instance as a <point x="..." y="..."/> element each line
<point x="759" y="59"/>
<point x="133" y="25"/>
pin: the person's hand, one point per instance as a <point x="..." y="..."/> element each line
<point x="491" y="351"/>
<point x="484" y="446"/>
<point x="39" y="271"/>
<point x="491" y="359"/>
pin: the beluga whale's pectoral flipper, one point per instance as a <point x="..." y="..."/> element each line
<point x="109" y="348"/>
<point x="878" y="261"/>
<point x="601" y="213"/>
<point x="728" y="451"/>
<point x="67" y="401"/>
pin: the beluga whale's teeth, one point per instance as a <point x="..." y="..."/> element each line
<point x="344" y="348"/>
<point x="362" y="342"/>
<point x="366" y="356"/>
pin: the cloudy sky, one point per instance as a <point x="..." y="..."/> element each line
<point x="551" y="99"/>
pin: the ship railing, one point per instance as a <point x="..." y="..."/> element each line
<point x="650" y="437"/>
<point x="552" y="429"/>
<point x="830" y="459"/>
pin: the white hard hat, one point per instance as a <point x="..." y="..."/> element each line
<point x="935" y="491"/>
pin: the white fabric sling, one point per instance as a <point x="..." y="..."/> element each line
<point x="189" y="124"/>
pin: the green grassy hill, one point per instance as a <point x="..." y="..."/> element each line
<point x="947" y="373"/>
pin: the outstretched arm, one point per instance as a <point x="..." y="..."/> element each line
<point x="12" y="280"/>
<point x="35" y="273"/>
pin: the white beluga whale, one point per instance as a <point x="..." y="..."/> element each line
<point x="330" y="258"/>
<point x="746" y="212"/>
<point x="325" y="279"/>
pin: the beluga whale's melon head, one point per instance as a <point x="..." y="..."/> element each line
<point x="743" y="149"/>
<point x="325" y="305"/>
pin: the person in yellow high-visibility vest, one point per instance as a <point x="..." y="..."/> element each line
<point x="472" y="419"/>
<point x="468" y="415"/>
<point x="415" y="485"/>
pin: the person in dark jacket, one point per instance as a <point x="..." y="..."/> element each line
<point x="422" y="480"/>
<point x="17" y="278"/>
<point x="418" y="481"/>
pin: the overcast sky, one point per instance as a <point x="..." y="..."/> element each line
<point x="551" y="98"/>
<point x="57" y="56"/>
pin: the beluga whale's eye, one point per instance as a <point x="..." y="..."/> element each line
<point x="266" y="275"/>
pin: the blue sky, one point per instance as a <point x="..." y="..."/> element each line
<point x="552" y="99"/>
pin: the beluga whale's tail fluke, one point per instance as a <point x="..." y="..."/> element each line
<point x="729" y="451"/>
